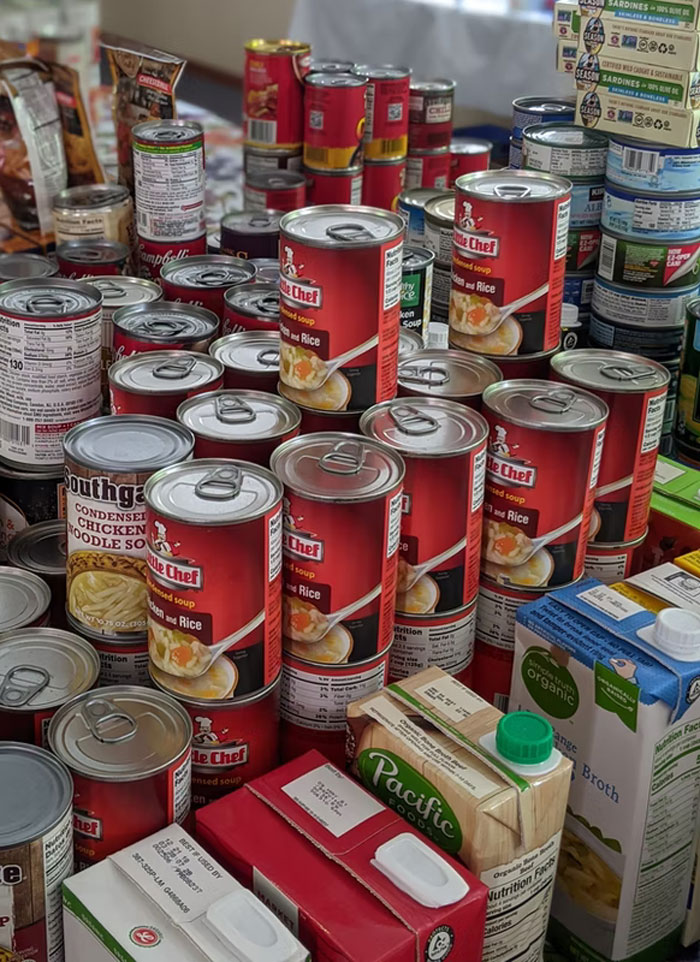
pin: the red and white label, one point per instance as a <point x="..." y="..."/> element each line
<point x="273" y="98"/>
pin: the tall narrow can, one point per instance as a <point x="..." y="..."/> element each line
<point x="334" y="120"/>
<point x="386" y="123"/>
<point x="273" y="93"/>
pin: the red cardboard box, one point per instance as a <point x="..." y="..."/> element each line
<point x="306" y="838"/>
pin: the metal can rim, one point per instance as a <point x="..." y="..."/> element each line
<point x="344" y="210"/>
<point x="520" y="383"/>
<point x="285" y="405"/>
<point x="559" y="360"/>
<point x="61" y="771"/>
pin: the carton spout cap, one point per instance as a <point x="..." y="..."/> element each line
<point x="677" y="632"/>
<point x="524" y="738"/>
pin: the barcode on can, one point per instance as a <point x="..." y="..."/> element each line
<point x="319" y="154"/>
<point x="392" y="145"/>
<point x="643" y="161"/>
<point x="15" y="433"/>
<point x="606" y="263"/>
<point x="262" y="131"/>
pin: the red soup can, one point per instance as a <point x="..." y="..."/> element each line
<point x="251" y="307"/>
<point x="156" y="382"/>
<point x="152" y="255"/>
<point x="334" y="186"/>
<point x="444" y="639"/>
<point x="25" y="599"/>
<point x="197" y="513"/>
<point x="334" y="120"/>
<point x="251" y="234"/>
<point x="444" y="447"/>
<point x="508" y="261"/>
<point x="235" y="738"/>
<point x="452" y="375"/>
<point x="536" y="526"/>
<point x="276" y="189"/>
<point x="428" y="168"/>
<point x="613" y="562"/>
<point x="512" y="366"/>
<point x="251" y="359"/>
<point x="339" y="261"/>
<point x="313" y="420"/>
<point x="386" y="124"/>
<point x="204" y="280"/>
<point x="129" y="752"/>
<point x="273" y="99"/>
<point x="382" y="183"/>
<point x="468" y="155"/>
<point x="91" y="258"/>
<point x="247" y="425"/>
<point x="160" y="326"/>
<point x="430" y="107"/>
<point x="634" y="389"/>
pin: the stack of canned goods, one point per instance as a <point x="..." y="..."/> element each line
<point x="386" y="133"/>
<point x="431" y="106"/>
<point x="528" y="111"/>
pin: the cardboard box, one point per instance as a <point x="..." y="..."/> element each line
<point x="636" y="79"/>
<point x="320" y="851"/>
<point x="654" y="44"/>
<point x="628" y="715"/>
<point x="674" y="520"/>
<point x="567" y="56"/>
<point x="566" y="20"/>
<point x="671" y="583"/>
<point x="676" y="13"/>
<point x="166" y="900"/>
<point x="659" y="123"/>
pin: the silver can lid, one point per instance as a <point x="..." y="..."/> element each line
<point x="317" y="79"/>
<point x="555" y="106"/>
<point x="48" y="297"/>
<point x="513" y="186"/>
<point x="36" y="792"/>
<point x="252" y="222"/>
<point x="167" y="131"/>
<point x="545" y="405"/>
<point x="415" y="258"/>
<point x="267" y="270"/>
<point x="425" y="427"/>
<point x="14" y="266"/>
<point x="333" y="466"/>
<point x="257" y="352"/>
<point x="167" y="321"/>
<point x="614" y="371"/>
<point x="255" y="300"/>
<point x="470" y="145"/>
<point x="441" y="210"/>
<point x="213" y="491"/>
<point x="165" y="372"/>
<point x="418" y="197"/>
<point x="90" y="197"/>
<point x="275" y="180"/>
<point x="24" y="598"/>
<point x="409" y="342"/>
<point x="437" y="85"/>
<point x="92" y="251"/>
<point x="341" y="226"/>
<point x="218" y="271"/>
<point x="44" y="667"/>
<point x="40" y="548"/>
<point x="319" y="65"/>
<point x="118" y="290"/>
<point x="565" y="135"/>
<point x="384" y="71"/>
<point x="239" y="415"/>
<point x="128" y="443"/>
<point x="446" y="373"/>
<point x="120" y="734"/>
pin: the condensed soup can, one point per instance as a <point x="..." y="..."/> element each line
<point x="649" y="263"/>
<point x="513" y="367"/>
<point x="251" y="359"/>
<point x="25" y="599"/>
<point x="322" y="65"/>
<point x="612" y="562"/>
<point x="687" y="426"/>
<point x="129" y="752"/>
<point x="16" y="266"/>
<point x="657" y="216"/>
<point x="428" y="168"/>
<point x="639" y="164"/>
<point x="156" y="382"/>
<point x="79" y="259"/>
<point x="334" y="186"/>
<point x="467" y="155"/>
<point x="540" y="110"/>
<point x="152" y="255"/>
<point x="565" y="149"/>
<point x="277" y="190"/>
<point x="261" y="160"/>
<point x="123" y="661"/>
<point x="382" y="183"/>
<point x="386" y="109"/>
<point x="334" y="120"/>
<point x="453" y="375"/>
<point x="411" y="207"/>
<point x="41" y="548"/>
<point x="416" y="290"/>
<point x="273" y="93"/>
<point x="204" y="280"/>
<point x="624" y="303"/>
<point x="94" y="211"/>
<point x="445" y="639"/>
<point x="251" y="307"/>
<point x="430" y="107"/>
<point x="164" y="325"/>
<point x="27" y="498"/>
<point x="249" y="234"/>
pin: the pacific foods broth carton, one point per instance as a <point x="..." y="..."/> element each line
<point x="488" y="788"/>
<point x="620" y="685"/>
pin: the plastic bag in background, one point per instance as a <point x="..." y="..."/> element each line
<point x="83" y="164"/>
<point x="143" y="88"/>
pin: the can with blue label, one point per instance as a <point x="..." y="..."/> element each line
<point x="637" y="164"/>
<point x="586" y="203"/>
<point x="625" y="304"/>
<point x="578" y="290"/>
<point x="661" y="343"/>
<point x="540" y="110"/>
<point x="565" y="149"/>
<point x="411" y="207"/>
<point x="641" y="213"/>
<point x="515" y="154"/>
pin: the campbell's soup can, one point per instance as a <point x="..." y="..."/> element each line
<point x="613" y="562"/>
<point x="508" y="262"/>
<point x="428" y="168"/>
<point x="20" y="265"/>
<point x="78" y="259"/>
<point x="247" y="425"/>
<point x="534" y="525"/>
<point x="204" y="280"/>
<point x="468" y="155"/>
<point x="315" y="420"/>
<point x="156" y="382"/>
<point x="152" y="255"/>
<point x="95" y="212"/>
<point x="251" y="359"/>
<point x="261" y="160"/>
<point x="452" y="375"/>
<point x="25" y="599"/>
<point x="278" y="190"/>
<point x="334" y="120"/>
<point x="36" y="851"/>
<point x="634" y="389"/>
<point x="235" y="738"/>
<point x="443" y="445"/>
<point x="206" y="519"/>
<point x="163" y="325"/>
<point x="334" y="186"/>
<point x="40" y="670"/>
<point x="443" y="639"/>
<point x="129" y="752"/>
<point x="386" y="111"/>
<point x="249" y="234"/>
<point x="28" y="498"/>
<point x="335" y="260"/>
<point x="273" y="93"/>
<point x="123" y="661"/>
<point x="251" y="307"/>
<point x="383" y="182"/>
<point x="430" y="107"/>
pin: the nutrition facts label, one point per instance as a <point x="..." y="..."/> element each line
<point x="606" y="567"/>
<point x="181" y="789"/>
<point x="495" y="621"/>
<point x="124" y="667"/>
<point x="449" y="646"/>
<point x="58" y="865"/>
<point x="316" y="700"/>
<point x="169" y="187"/>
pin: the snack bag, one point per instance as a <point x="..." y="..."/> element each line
<point x="83" y="164"/>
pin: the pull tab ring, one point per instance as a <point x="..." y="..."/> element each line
<point x="106" y="286"/>
<point x="433" y="374"/>
<point x="512" y="191"/>
<point x="175" y="370"/>
<point x="625" y="372"/>
<point x="346" y="457"/>
<point x="555" y="402"/>
<point x="260" y="220"/>
<point x="349" y="233"/>
<point x="270" y="357"/>
<point x="100" y="714"/>
<point x="21" y="684"/>
<point x="214" y="277"/>
<point x="45" y="304"/>
<point x="221" y="484"/>
<point x="269" y="304"/>
<point x="412" y="421"/>
<point x="163" y="326"/>
<point x="233" y="410"/>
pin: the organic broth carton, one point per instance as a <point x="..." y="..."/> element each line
<point x="486" y="787"/>
<point x="620" y="685"/>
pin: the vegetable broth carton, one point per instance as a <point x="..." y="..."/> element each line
<point x="621" y="687"/>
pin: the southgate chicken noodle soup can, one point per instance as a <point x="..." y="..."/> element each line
<point x="638" y="164"/>
<point x="340" y="261"/>
<point x="648" y="263"/>
<point x="445" y="639"/>
<point x="250" y="359"/>
<point x="196" y="513"/>
<point x="156" y="382"/>
<point x="531" y="518"/>
<point x="204" y="280"/>
<point x="657" y="216"/>
<point x="565" y="149"/>
<point x="251" y="307"/>
<point x="123" y="661"/>
<point x="25" y="599"/>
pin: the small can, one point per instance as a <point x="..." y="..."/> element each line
<point x="247" y="425"/>
<point x="535" y="526"/>
<point x="17" y="266"/>
<point x="687" y="426"/>
<point x="164" y="325"/>
<point x="430" y="107"/>
<point x="428" y="168"/>
<point x="386" y="106"/>
<point x="382" y="183"/>
<point x="277" y="190"/>
<point x="578" y="290"/>
<point x="339" y="260"/>
<point x="263" y="160"/>
<point x="638" y="164"/>
<point x="267" y="270"/>
<point x="445" y="639"/>
<point x="78" y="259"/>
<point x="168" y="157"/>
<point x="250" y="234"/>
<point x="410" y="342"/>
<point x="197" y="513"/>
<point x="251" y="307"/>
<point x="334" y="120"/>
<point x="235" y="739"/>
<point x="454" y="375"/>
<point x="36" y="850"/>
<point x="612" y="562"/>
<point x="540" y="110"/>
<point x="623" y="303"/>
<point x="41" y="548"/>
<point x="565" y="149"/>
<point x="25" y="599"/>
<point x="319" y="65"/>
<point x="273" y="93"/>
<point x="439" y="228"/>
<point x="214" y="242"/>
<point x="634" y="389"/>
<point x="315" y="420"/>
<point x="411" y="208"/>
<point x="515" y="154"/>
<point x="40" y="670"/>
<point x="416" y="290"/>
<point x="334" y="186"/>
<point x="27" y="498"/>
<point x="94" y="212"/>
<point x="152" y="255"/>
<point x="204" y="280"/>
<point x="647" y="263"/>
<point x="467" y="155"/>
<point x="251" y="359"/>
<point x="509" y="255"/>
<point x="129" y="752"/>
<point x="586" y="203"/>
<point x="123" y="662"/>
<point x="157" y="382"/>
<point x="659" y="341"/>
<point x="582" y="249"/>
<point x="443" y="445"/>
<point x="656" y="216"/>
<point x="51" y="334"/>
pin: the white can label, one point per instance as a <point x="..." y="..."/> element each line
<point x="495" y="617"/>
<point x="58" y="865"/>
<point x="311" y="699"/>
<point x="181" y="789"/>
<point x="449" y="646"/>
<point x="393" y="257"/>
<point x="607" y="568"/>
<point x="169" y="191"/>
<point x="128" y="667"/>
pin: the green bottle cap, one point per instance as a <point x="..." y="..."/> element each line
<point x="524" y="738"/>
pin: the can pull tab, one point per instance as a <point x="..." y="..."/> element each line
<point x="626" y="372"/>
<point x="412" y="421"/>
<point x="170" y="134"/>
<point x="346" y="457"/>
<point x="107" y="723"/>
<point x="21" y="684"/>
<point x="270" y="357"/>
<point x="221" y="484"/>
<point x="431" y="374"/>
<point x="269" y="304"/>
<point x="349" y="233"/>
<point x="174" y="370"/>
<point x="278" y="182"/>
<point x="512" y="191"/>
<point x="45" y="304"/>
<point x="90" y="255"/>
<point x="214" y="278"/>
<point x="109" y="288"/>
<point x="233" y="410"/>
<point x="162" y="326"/>
<point x="554" y="402"/>
<point x="260" y="220"/>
